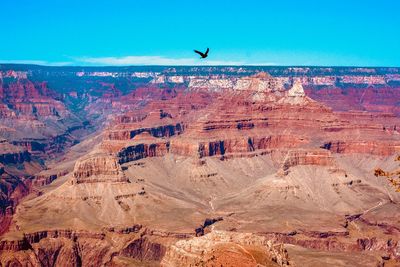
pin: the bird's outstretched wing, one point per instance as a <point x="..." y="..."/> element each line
<point x="198" y="52"/>
<point x="208" y="49"/>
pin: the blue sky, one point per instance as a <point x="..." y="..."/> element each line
<point x="142" y="32"/>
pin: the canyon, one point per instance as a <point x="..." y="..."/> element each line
<point x="199" y="166"/>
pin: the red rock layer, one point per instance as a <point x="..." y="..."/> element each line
<point x="257" y="116"/>
<point x="372" y="99"/>
<point x="27" y="99"/>
<point x="369" y="147"/>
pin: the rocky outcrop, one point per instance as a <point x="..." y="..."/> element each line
<point x="83" y="248"/>
<point x="316" y="157"/>
<point x="98" y="168"/>
<point x="140" y="151"/>
<point x="226" y="249"/>
<point x="296" y="91"/>
<point x="392" y="176"/>
<point x="296" y="95"/>
<point x="259" y="82"/>
<point x="160" y="131"/>
<point x="56" y="248"/>
<point x="48" y="178"/>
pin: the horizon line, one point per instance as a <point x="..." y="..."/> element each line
<point x="203" y="66"/>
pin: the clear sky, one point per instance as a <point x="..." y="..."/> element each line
<point x="132" y="32"/>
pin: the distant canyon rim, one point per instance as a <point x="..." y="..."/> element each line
<point x="199" y="166"/>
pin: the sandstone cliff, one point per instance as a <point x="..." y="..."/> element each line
<point x="98" y="168"/>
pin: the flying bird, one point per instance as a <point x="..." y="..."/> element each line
<point x="203" y="55"/>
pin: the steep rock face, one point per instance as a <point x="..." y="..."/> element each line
<point x="256" y="85"/>
<point x="38" y="109"/>
<point x="98" y="168"/>
<point x="140" y="151"/>
<point x="25" y="89"/>
<point x="160" y="131"/>
<point x="10" y="154"/>
<point x="45" y="179"/>
<point x="380" y="148"/>
<point x="81" y="248"/>
<point x="31" y="145"/>
<point x="249" y="113"/>
<point x="27" y="99"/>
<point x="55" y="249"/>
<point x="372" y="99"/>
<point x="234" y="146"/>
<point x="307" y="157"/>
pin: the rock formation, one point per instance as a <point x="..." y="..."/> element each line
<point x="232" y="166"/>
<point x="98" y="168"/>
<point x="226" y="249"/>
